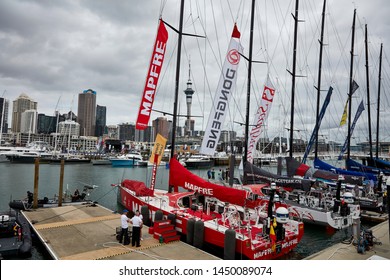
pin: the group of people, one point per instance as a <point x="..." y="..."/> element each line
<point x="220" y="174"/>
<point x="137" y="223"/>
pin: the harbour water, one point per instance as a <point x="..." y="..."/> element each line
<point x="17" y="179"/>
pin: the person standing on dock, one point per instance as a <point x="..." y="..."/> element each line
<point x="136" y="221"/>
<point x="30" y="197"/>
<point x="125" y="228"/>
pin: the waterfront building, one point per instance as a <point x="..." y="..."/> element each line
<point x="112" y="132"/>
<point x="100" y="120"/>
<point x="145" y="135"/>
<point x="127" y="132"/>
<point x="161" y="126"/>
<point x="4" y="106"/>
<point x="86" y="113"/>
<point x="28" y="122"/>
<point x="69" y="127"/>
<point x="21" y="104"/>
<point x="46" y="124"/>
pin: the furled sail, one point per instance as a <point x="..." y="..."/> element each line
<point x="260" y="117"/>
<point x="317" y="126"/>
<point x="156" y="63"/>
<point x="226" y="85"/>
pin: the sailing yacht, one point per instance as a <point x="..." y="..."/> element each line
<point x="232" y="219"/>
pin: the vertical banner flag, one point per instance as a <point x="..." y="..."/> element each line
<point x="358" y="113"/>
<point x="226" y="85"/>
<point x="158" y="148"/>
<point x="344" y="116"/>
<point x="154" y="172"/>
<point x="260" y="117"/>
<point x="152" y="77"/>
<point x="317" y="126"/>
<point x="343" y="121"/>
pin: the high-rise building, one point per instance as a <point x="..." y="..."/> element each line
<point x="145" y="135"/>
<point x="46" y="124"/>
<point x="161" y="126"/>
<point x="86" y="113"/>
<point x="28" y="122"/>
<point x="127" y="132"/>
<point x="4" y="104"/>
<point x="69" y="128"/>
<point x="21" y="104"/>
<point x="100" y="120"/>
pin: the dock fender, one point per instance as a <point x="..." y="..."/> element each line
<point x="145" y="215"/>
<point x="229" y="245"/>
<point x="172" y="218"/>
<point x="199" y="234"/>
<point x="190" y="231"/>
<point x="158" y="216"/>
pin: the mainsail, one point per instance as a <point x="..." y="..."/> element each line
<point x="152" y="77"/>
<point x="261" y="116"/>
<point x="226" y="85"/>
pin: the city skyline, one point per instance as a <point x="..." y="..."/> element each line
<point x="51" y="57"/>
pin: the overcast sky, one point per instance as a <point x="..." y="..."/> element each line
<point x="53" y="50"/>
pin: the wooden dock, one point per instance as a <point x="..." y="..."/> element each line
<point x="88" y="232"/>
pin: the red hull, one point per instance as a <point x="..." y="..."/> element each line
<point x="260" y="249"/>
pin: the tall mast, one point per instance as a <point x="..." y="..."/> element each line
<point x="174" y="118"/>
<point x="319" y="79"/>
<point x="368" y="94"/>
<point x="293" y="78"/>
<point x="2" y="117"/>
<point x="351" y="86"/>
<point x="249" y="84"/>
<point x="379" y="101"/>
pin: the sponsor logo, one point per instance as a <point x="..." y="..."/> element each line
<point x="233" y="57"/>
<point x="198" y="189"/>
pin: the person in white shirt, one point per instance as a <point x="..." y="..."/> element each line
<point x="136" y="221"/>
<point x="125" y="228"/>
<point x="140" y="234"/>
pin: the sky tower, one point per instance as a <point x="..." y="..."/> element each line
<point x="189" y="123"/>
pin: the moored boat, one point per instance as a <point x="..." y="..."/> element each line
<point x="68" y="198"/>
<point x="126" y="160"/>
<point x="198" y="161"/>
<point x="15" y="235"/>
<point x="217" y="215"/>
<point x="309" y="203"/>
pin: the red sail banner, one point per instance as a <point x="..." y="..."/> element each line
<point x="152" y="77"/>
<point x="179" y="176"/>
